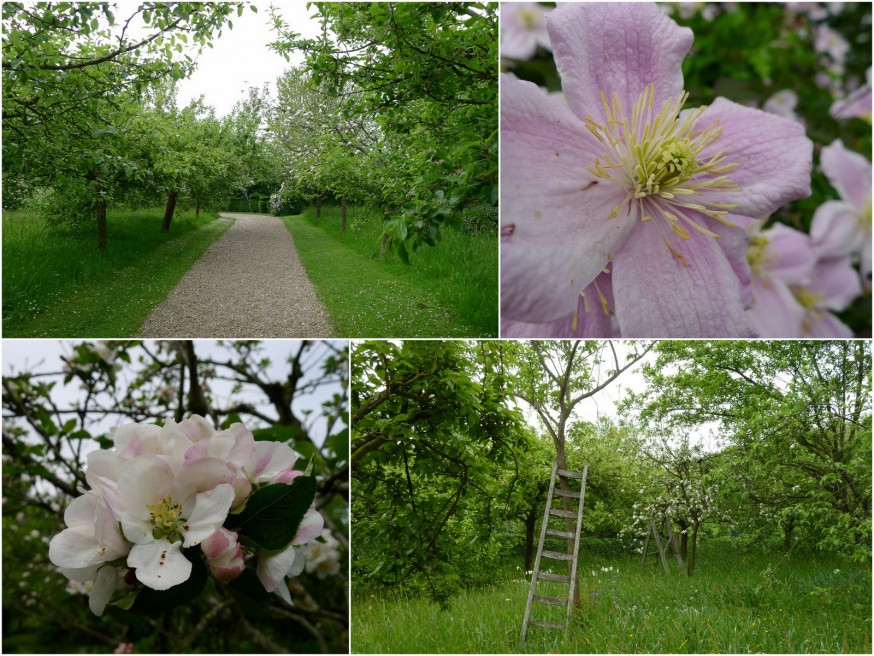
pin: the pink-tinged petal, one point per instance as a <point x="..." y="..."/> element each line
<point x="160" y="565"/>
<point x="286" y="476"/>
<point x="200" y="476"/>
<point x="835" y="230"/>
<point x="775" y="311"/>
<point x="209" y="513"/>
<point x="849" y="173"/>
<point x="104" y="587"/>
<point x="792" y="253"/>
<point x="268" y="460"/>
<point x="616" y="48"/>
<point x="196" y="428"/>
<point x="128" y="438"/>
<point x="773" y="154"/>
<point x="857" y="104"/>
<point x="242" y="488"/>
<point x="591" y="319"/>
<point x="734" y="243"/>
<point x="825" y="325"/>
<point x="217" y="543"/>
<point x="143" y="481"/>
<point x="273" y="566"/>
<point x="310" y="528"/>
<point x="224" y="554"/>
<point x="657" y="296"/>
<point x="556" y="234"/>
<point x="837" y="283"/>
<point x="74" y="548"/>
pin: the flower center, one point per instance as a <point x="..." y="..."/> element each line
<point x="165" y="518"/>
<point x="658" y="160"/>
<point x="759" y="255"/>
<point x="529" y="19"/>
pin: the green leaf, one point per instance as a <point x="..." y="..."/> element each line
<point x="273" y="513"/>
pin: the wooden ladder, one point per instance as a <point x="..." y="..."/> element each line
<point x="545" y="530"/>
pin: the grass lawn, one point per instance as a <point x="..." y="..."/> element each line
<point x="56" y="283"/>
<point x="807" y="603"/>
<point x="447" y="291"/>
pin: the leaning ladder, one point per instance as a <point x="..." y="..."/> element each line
<point x="537" y="575"/>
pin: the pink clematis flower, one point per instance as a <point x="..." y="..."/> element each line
<point x="834" y="286"/>
<point x="779" y="258"/>
<point x="842" y="228"/>
<point x="857" y="104"/>
<point x="523" y="29"/>
<point x="618" y="179"/>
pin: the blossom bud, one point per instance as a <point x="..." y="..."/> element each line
<point x="224" y="555"/>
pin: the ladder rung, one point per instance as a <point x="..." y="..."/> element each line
<point x="547" y="625"/>
<point x="549" y="576"/>
<point x="567" y="493"/>
<point x="569" y="474"/>
<point x="556" y="555"/>
<point x="560" y="534"/>
<point x="552" y="601"/>
<point x="563" y="513"/>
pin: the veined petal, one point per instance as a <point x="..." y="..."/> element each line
<point x="269" y="459"/>
<point x="827" y="326"/>
<point x="196" y="428"/>
<point x="849" y="173"/>
<point x="160" y="565"/>
<point x="616" y="48"/>
<point x="589" y="321"/>
<point x="556" y="232"/>
<point x="200" y="476"/>
<point x="209" y="513"/>
<point x="793" y="254"/>
<point x="657" y="296"/>
<point x="75" y="548"/>
<point x="775" y="312"/>
<point x="272" y="567"/>
<point x="836" y="230"/>
<point x="772" y="153"/>
<point x="837" y="283"/>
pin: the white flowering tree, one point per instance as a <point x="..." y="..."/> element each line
<point x="183" y="487"/>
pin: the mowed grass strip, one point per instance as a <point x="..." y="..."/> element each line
<point x="371" y="297"/>
<point x="57" y="284"/>
<point x="733" y="604"/>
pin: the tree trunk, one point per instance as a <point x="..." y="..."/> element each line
<point x="530" y="523"/>
<point x="197" y="209"/>
<point x="318" y="207"/>
<point x="101" y="224"/>
<point x="788" y="528"/>
<point x="168" y="213"/>
<point x="385" y="240"/>
<point x="690" y="564"/>
<point x="684" y="538"/>
<point x="343" y="212"/>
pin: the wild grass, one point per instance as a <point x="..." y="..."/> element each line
<point x="57" y="284"/>
<point x="735" y="603"/>
<point x="450" y="290"/>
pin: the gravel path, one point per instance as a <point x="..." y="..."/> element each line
<point x="249" y="283"/>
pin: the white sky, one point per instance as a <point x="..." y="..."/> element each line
<point x="240" y="58"/>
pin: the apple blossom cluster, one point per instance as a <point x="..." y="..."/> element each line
<point x="171" y="499"/>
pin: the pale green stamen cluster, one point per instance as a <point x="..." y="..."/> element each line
<point x="759" y="255"/>
<point x="810" y="301"/>
<point x="657" y="159"/>
<point x="165" y="517"/>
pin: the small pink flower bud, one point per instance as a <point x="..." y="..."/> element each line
<point x="224" y="555"/>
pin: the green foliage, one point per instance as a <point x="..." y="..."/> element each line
<point x="54" y="285"/>
<point x="451" y="291"/>
<point x="273" y="513"/>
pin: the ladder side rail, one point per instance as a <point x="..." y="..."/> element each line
<point x="573" y="585"/>
<point x="539" y="551"/>
<point x="658" y="541"/>
<point x="673" y="544"/>
<point x="645" y="548"/>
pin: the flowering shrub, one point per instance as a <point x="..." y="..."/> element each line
<point x="169" y="505"/>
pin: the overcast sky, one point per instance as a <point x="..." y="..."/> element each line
<point x="240" y="58"/>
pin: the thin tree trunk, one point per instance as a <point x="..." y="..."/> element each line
<point x="690" y="564"/>
<point x="318" y="207"/>
<point x="343" y="212"/>
<point x="385" y="240"/>
<point x="530" y="523"/>
<point x="168" y="213"/>
<point x="684" y="538"/>
<point x="101" y="224"/>
<point x="197" y="209"/>
<point x="788" y="528"/>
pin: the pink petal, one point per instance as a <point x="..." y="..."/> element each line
<point x="775" y="312"/>
<point x="196" y="428"/>
<point x="591" y="321"/>
<point x="773" y="154"/>
<point x="793" y="252"/>
<point x="826" y="325"/>
<point x="836" y="229"/>
<point x="838" y="283"/>
<point x="200" y="476"/>
<point x="656" y="296"/>
<point x="857" y="104"/>
<point x="849" y="173"/>
<point x="269" y="459"/>
<point x="310" y="527"/>
<point x="734" y="243"/>
<point x="160" y="565"/>
<point x="616" y="48"/>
